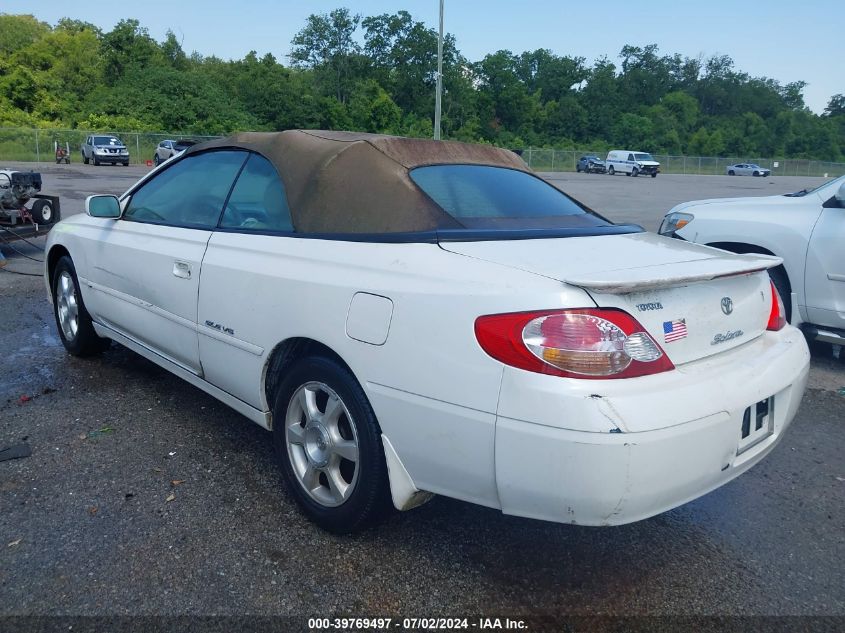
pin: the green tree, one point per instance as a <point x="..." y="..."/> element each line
<point x="327" y="46"/>
<point x="19" y="31"/>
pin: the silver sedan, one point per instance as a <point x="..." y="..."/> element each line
<point x="747" y="169"/>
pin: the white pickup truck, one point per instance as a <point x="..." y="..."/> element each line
<point x="806" y="229"/>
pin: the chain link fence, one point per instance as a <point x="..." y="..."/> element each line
<point x="565" y="160"/>
<point x="39" y="145"/>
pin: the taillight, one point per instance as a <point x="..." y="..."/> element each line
<point x="777" y="316"/>
<point x="579" y="343"/>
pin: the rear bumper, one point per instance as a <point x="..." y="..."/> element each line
<point x="547" y="471"/>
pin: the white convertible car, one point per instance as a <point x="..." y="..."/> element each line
<point x="413" y="317"/>
<point x="806" y="229"/>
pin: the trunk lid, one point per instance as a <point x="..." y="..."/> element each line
<point x="695" y="301"/>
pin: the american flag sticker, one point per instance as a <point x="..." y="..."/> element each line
<point x="674" y="330"/>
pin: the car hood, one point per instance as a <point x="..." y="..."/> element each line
<point x="734" y="205"/>
<point x="110" y="146"/>
<point x="648" y="163"/>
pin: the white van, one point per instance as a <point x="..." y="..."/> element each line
<point x="631" y="163"/>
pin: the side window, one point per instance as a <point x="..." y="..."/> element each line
<point x="630" y="157"/>
<point x="189" y="193"/>
<point x="258" y="201"/>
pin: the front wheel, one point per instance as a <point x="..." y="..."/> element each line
<point x="72" y="319"/>
<point x="654" y="174"/>
<point x="611" y="171"/>
<point x="156" y="160"/>
<point x="84" y="158"/>
<point x="635" y="172"/>
<point x="731" y="173"/>
<point x="328" y="442"/>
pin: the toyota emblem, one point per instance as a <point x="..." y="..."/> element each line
<point x="727" y="305"/>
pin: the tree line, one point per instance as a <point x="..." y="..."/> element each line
<point x="378" y="73"/>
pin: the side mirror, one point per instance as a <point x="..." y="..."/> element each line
<point x="840" y="195"/>
<point x="102" y="206"/>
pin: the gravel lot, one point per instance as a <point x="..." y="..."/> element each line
<point x="145" y="496"/>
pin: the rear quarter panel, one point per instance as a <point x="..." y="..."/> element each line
<point x="432" y="387"/>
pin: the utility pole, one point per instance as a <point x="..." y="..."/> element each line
<point x="439" y="91"/>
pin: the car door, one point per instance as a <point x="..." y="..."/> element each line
<point x="824" y="280"/>
<point x="245" y="267"/>
<point x="145" y="267"/>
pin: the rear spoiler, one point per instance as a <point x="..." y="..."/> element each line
<point x="672" y="275"/>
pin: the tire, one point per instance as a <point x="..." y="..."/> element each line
<point x="156" y="160"/>
<point x="42" y="212"/>
<point x="96" y="162"/>
<point x="756" y="174"/>
<point x="731" y="173"/>
<point x="126" y="164"/>
<point x="85" y="158"/>
<point x="305" y="447"/>
<point x="635" y="172"/>
<point x="83" y="340"/>
<point x="781" y="280"/>
<point x="611" y="171"/>
<point x="654" y="174"/>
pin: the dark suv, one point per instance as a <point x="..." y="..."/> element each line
<point x="590" y="164"/>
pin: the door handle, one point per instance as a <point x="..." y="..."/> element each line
<point x="182" y="269"/>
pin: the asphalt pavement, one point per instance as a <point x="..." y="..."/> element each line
<point x="143" y="495"/>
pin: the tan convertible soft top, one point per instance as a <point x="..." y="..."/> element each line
<point x="351" y="182"/>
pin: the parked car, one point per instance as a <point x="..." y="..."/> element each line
<point x="631" y="163"/>
<point x="805" y="229"/>
<point x="590" y="165"/>
<point x="413" y="317"/>
<point x="170" y="148"/>
<point x="104" y="148"/>
<point x="747" y="169"/>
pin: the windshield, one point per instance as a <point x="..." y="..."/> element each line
<point x="483" y="197"/>
<point x="107" y="140"/>
<point x="643" y="157"/>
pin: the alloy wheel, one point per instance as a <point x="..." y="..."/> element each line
<point x="67" y="306"/>
<point x="322" y="444"/>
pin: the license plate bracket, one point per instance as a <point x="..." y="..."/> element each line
<point x="758" y="423"/>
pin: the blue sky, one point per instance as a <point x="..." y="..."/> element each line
<point x="785" y="40"/>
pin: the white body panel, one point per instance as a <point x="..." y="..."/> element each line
<point x="459" y="422"/>
<point x="800" y="230"/>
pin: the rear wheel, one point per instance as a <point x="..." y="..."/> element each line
<point x="328" y="442"/>
<point x="72" y="319"/>
<point x="781" y="281"/>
